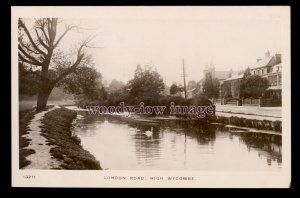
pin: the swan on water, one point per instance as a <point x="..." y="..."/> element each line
<point x="149" y="133"/>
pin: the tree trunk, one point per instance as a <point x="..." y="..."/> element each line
<point x="43" y="98"/>
<point x="44" y="89"/>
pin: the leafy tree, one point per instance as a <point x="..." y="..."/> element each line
<point x="146" y="86"/>
<point x="191" y="84"/>
<point x="38" y="46"/>
<point x="59" y="93"/>
<point x="116" y="97"/>
<point x="86" y="84"/>
<point x="174" y="89"/>
<point x="28" y="81"/>
<point x="235" y="88"/>
<point x="115" y="85"/>
<point x="210" y="86"/>
<point x="226" y="89"/>
<point x="247" y="73"/>
<point x="252" y="85"/>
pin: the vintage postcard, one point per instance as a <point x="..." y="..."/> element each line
<point x="175" y="96"/>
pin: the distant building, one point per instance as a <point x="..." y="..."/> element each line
<point x="230" y="88"/>
<point x="269" y="67"/>
<point x="191" y="93"/>
<point x="219" y="75"/>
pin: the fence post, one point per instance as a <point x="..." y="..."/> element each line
<point x="242" y="102"/>
<point x="259" y="101"/>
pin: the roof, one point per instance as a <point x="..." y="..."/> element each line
<point x="262" y="63"/>
<point x="222" y="74"/>
<point x="191" y="90"/>
<point x="235" y="77"/>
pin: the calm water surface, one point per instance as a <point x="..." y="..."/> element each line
<point x="121" y="144"/>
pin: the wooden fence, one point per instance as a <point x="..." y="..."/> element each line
<point x="261" y="102"/>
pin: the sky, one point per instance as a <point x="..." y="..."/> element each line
<point x="229" y="37"/>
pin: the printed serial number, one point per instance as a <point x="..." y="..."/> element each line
<point x="29" y="176"/>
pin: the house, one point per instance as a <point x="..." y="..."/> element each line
<point x="270" y="67"/>
<point x="218" y="76"/>
<point x="191" y="93"/>
<point x="230" y="87"/>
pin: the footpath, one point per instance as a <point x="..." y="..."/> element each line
<point x="250" y="112"/>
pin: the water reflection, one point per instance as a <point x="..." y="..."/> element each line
<point x="122" y="144"/>
<point x="265" y="149"/>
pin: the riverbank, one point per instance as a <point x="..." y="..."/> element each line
<point x="67" y="148"/>
<point x="51" y="130"/>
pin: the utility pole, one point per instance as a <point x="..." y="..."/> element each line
<point x="183" y="72"/>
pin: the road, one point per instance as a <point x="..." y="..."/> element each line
<point x="250" y="112"/>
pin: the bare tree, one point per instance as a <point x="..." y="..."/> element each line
<point x="37" y="48"/>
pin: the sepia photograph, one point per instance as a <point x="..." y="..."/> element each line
<point x="151" y="96"/>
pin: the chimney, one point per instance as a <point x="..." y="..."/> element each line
<point x="267" y="54"/>
<point x="278" y="58"/>
<point x="258" y="59"/>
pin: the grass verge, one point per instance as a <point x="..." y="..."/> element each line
<point x="56" y="127"/>
<point x="25" y="117"/>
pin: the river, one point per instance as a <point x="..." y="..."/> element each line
<point x="122" y="144"/>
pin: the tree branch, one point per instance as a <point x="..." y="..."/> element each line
<point x="42" y="23"/>
<point x="41" y="40"/>
<point x="69" y="70"/>
<point x="36" y="62"/>
<point x="74" y="66"/>
<point x="30" y="38"/>
<point x="51" y="31"/>
<point x="28" y="48"/>
<point x="62" y="36"/>
<point x="29" y="62"/>
<point x="45" y="35"/>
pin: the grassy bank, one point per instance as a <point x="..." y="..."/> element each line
<point x="25" y="117"/>
<point x="67" y="148"/>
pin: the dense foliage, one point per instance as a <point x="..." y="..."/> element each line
<point x="210" y="86"/>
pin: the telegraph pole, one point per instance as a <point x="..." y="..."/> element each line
<point x="183" y="70"/>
